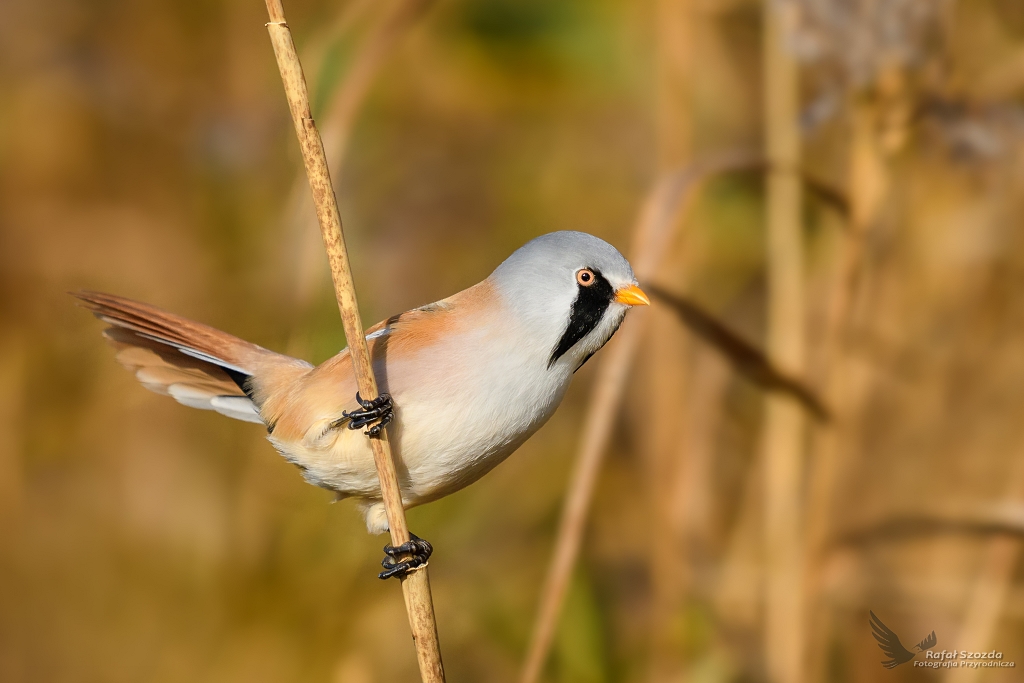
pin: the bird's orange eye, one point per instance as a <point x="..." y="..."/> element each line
<point x="585" y="277"/>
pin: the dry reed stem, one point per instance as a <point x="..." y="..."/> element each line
<point x="674" y="31"/>
<point x="652" y="234"/>
<point x="416" y="586"/>
<point x="662" y="370"/>
<point x="784" y="425"/>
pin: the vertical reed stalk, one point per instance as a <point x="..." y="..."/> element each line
<point x="674" y="35"/>
<point x="663" y="369"/>
<point x="784" y="425"/>
<point x="416" y="586"/>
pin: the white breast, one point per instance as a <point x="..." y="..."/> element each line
<point x="465" y="400"/>
<point x="460" y="414"/>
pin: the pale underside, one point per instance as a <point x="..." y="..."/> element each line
<point x="464" y="401"/>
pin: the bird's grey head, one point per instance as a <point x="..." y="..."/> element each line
<point x="572" y="290"/>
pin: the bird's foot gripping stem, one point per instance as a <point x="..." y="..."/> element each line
<point x="418" y="552"/>
<point x="380" y="410"/>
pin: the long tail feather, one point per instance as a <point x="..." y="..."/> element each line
<point x="197" y="365"/>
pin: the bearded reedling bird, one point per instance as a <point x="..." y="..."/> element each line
<point x="464" y="381"/>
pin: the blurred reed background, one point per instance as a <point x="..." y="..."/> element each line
<point x="875" y="251"/>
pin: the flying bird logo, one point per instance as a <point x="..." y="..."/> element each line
<point x="891" y="645"/>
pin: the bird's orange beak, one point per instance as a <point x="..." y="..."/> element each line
<point x="632" y="296"/>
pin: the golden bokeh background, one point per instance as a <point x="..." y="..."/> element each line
<point x="146" y="150"/>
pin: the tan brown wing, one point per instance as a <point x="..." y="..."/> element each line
<point x="197" y="365"/>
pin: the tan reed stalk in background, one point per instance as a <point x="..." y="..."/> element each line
<point x="784" y="425"/>
<point x="662" y="369"/>
<point x="652" y="234"/>
<point x="415" y="586"/>
<point x="337" y="122"/>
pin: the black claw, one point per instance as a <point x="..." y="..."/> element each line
<point x="419" y="552"/>
<point x="380" y="410"/>
<point x="414" y="546"/>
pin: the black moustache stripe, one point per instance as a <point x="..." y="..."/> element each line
<point x="590" y="355"/>
<point x="587" y="310"/>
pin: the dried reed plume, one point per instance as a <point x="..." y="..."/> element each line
<point x="862" y="38"/>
